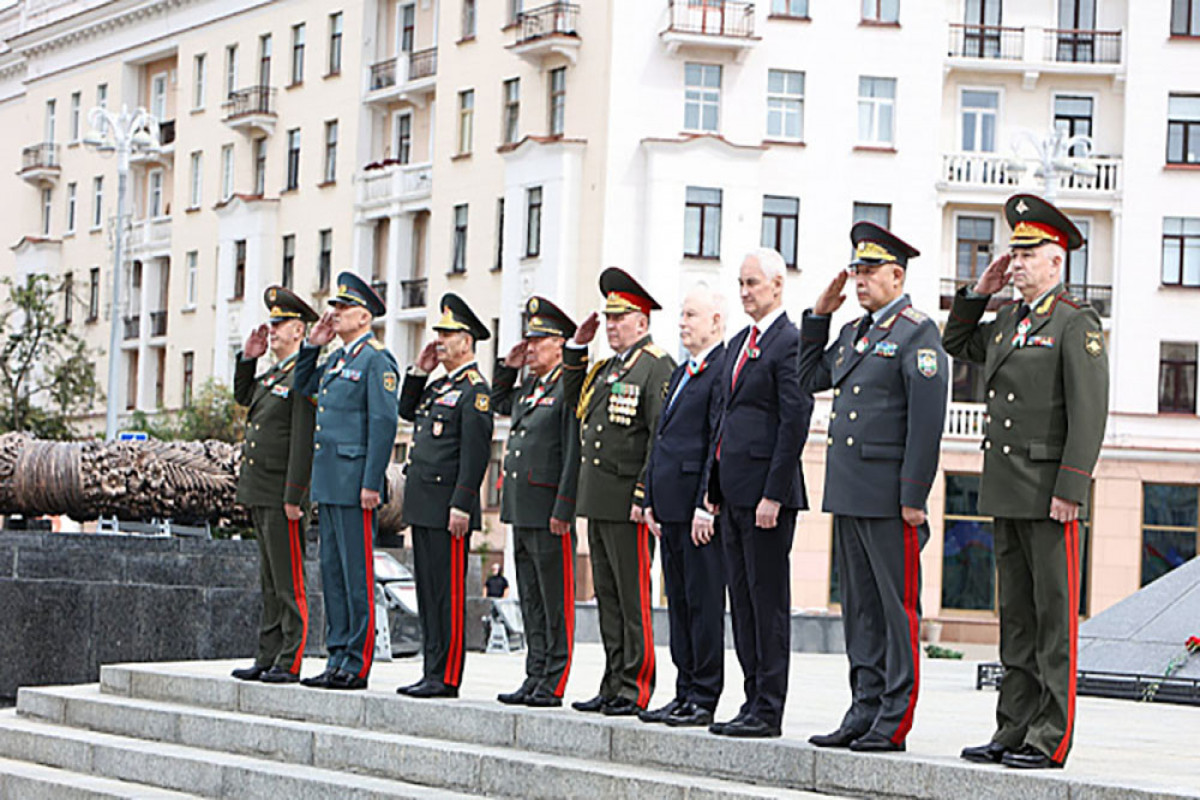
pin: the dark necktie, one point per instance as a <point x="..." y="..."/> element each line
<point x="1023" y="312"/>
<point x="864" y="327"/>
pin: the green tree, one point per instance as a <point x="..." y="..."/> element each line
<point x="212" y="414"/>
<point x="47" y="375"/>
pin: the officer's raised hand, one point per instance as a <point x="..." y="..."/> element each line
<point x="517" y="357"/>
<point x="428" y="360"/>
<point x="587" y="329"/>
<point x="996" y="276"/>
<point x="832" y="298"/>
<point x="322" y="333"/>
<point x="256" y="342"/>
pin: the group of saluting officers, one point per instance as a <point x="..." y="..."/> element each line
<point x="703" y="457"/>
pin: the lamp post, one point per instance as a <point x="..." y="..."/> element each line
<point x="124" y="134"/>
<point x="1053" y="154"/>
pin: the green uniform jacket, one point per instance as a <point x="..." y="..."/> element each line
<point x="1047" y="400"/>
<point x="619" y="403"/>
<point x="451" y="446"/>
<point x="541" y="466"/>
<point x="278" y="452"/>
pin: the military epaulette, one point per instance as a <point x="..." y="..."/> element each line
<point x="1072" y="300"/>
<point x="474" y="377"/>
<point x="914" y="316"/>
<point x="654" y="350"/>
<point x="1046" y="306"/>
<point x="378" y="345"/>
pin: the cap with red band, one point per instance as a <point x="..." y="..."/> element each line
<point x="623" y="294"/>
<point x="1036" y="222"/>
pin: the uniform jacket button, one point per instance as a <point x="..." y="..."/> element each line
<point x="987" y="444"/>
<point x="596" y="462"/>
<point x="317" y="446"/>
<point x="853" y="415"/>
<point x="833" y="415"/>
<point x="991" y="393"/>
<point x="1011" y="397"/>
<point x="849" y="441"/>
<point x="857" y="389"/>
<point x="597" y="445"/>
<point x="837" y="392"/>
<point x="829" y="441"/>
<point x="1008" y="423"/>
<point x="1007" y="449"/>
<point x="517" y="454"/>
<point x="318" y="427"/>
<point x="321" y="409"/>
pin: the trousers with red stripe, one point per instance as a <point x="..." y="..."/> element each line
<point x="546" y="583"/>
<point x="1037" y="566"/>
<point x="347" y="576"/>
<point x="621" y="554"/>
<point x="879" y="563"/>
<point x="283" y="630"/>
<point x="440" y="565"/>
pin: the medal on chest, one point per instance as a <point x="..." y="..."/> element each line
<point x="1018" y="339"/>
<point x="861" y="345"/>
<point x="623" y="401"/>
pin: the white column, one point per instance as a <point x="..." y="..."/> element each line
<point x="364" y="246"/>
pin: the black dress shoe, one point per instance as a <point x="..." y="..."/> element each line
<point x="719" y="727"/>
<point x="990" y="753"/>
<point x="318" y="681"/>
<point x="409" y="689"/>
<point x="872" y="742"/>
<point x="1029" y="757"/>
<point x="542" y="699"/>
<point x="432" y="689"/>
<point x="620" y="707"/>
<point x="592" y="706"/>
<point x="839" y="738"/>
<point x="249" y="673"/>
<point x="345" y="680"/>
<point x="516" y="698"/>
<point x="279" y="675"/>
<point x="751" y="727"/>
<point x="690" y="716"/>
<point x="660" y="714"/>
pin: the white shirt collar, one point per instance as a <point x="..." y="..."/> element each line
<point x="704" y="354"/>
<point x="882" y="314"/>
<point x="767" y="321"/>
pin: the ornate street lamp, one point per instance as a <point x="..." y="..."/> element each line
<point x="1054" y="158"/>
<point x="124" y="134"/>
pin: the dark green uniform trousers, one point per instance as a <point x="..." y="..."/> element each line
<point x="1037" y="563"/>
<point x="284" y="627"/>
<point x="440" y="564"/>
<point x="621" y="554"/>
<point x="348" y="579"/>
<point x="546" y="583"/>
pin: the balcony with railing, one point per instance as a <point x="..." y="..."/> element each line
<point x="1083" y="46"/>
<point x="1098" y="296"/>
<point x="164" y="153"/>
<point x="1096" y="177"/>
<point x="1033" y="50"/>
<point x="722" y="26"/>
<point x="394" y="188"/>
<point x="41" y="164"/>
<point x="547" y="31"/>
<point x="251" y="110"/>
<point x="150" y="237"/>
<point x="413" y="293"/>
<point x="158" y="324"/>
<point x="986" y="41"/>
<point x="965" y="420"/>
<point x="409" y="76"/>
<point x="950" y="287"/>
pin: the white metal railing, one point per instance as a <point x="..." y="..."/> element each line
<point x="397" y="182"/>
<point x="965" y="420"/>
<point x="1101" y="175"/>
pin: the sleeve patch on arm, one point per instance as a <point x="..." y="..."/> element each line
<point x="483" y="403"/>
<point x="1093" y="343"/>
<point x="927" y="362"/>
<point x="389" y="381"/>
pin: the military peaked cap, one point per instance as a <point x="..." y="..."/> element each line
<point x="623" y="294"/>
<point x="1035" y="222"/>
<point x="876" y="245"/>
<point x="543" y="318"/>
<point x="458" y="316"/>
<point x="284" y="304"/>
<point x="354" y="291"/>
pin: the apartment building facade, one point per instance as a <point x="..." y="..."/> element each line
<point x="504" y="149"/>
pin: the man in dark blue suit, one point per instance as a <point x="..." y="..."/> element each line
<point x="754" y="478"/>
<point x="691" y="552"/>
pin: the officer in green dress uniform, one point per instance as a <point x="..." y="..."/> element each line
<point x="1046" y="368"/>
<point x="273" y="482"/>
<point x="619" y="402"/>
<point x="541" y="467"/>
<point x="451" y="446"/>
<point x="355" y="390"/>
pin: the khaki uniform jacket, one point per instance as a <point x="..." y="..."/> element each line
<point x="278" y="452"/>
<point x="618" y="404"/>
<point x="1047" y="399"/>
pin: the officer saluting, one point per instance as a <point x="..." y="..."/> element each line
<point x="273" y="482"/>
<point x="452" y="441"/>
<point x="355" y="390"/>
<point x="1047" y="387"/>
<point x="888" y="374"/>
<point x="541" y="467"/>
<point x="619" y="403"/>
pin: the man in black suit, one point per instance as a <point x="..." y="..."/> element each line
<point x="691" y="550"/>
<point x="754" y="478"/>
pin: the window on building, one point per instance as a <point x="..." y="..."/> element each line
<point x="189" y="377"/>
<point x="982" y="36"/>
<point x="780" y="221"/>
<point x="71" y="191"/>
<point x="1183" y="129"/>
<point x="533" y="222"/>
<point x="196" y="180"/>
<point x="288" y="273"/>
<point x="973" y="242"/>
<point x="97" y="201"/>
<point x="68" y="290"/>
<point x="1181" y="251"/>
<point x="1169" y="528"/>
<point x="192" y="263"/>
<point x="1073" y="116"/>
<point x="131" y="383"/>
<point x="968" y="551"/>
<point x="331" y="145"/>
<point x="881" y="10"/>
<point x="979" y="120"/>
<point x="324" y="259"/>
<point x="102" y="95"/>
<point x="702" y="97"/>
<point x="789" y="8"/>
<point x="264" y="60"/>
<point x="876" y="110"/>
<point x="158" y="96"/>
<point x="1077" y="259"/>
<point x="702" y="223"/>
<point x="335" y="43"/>
<point x="293" y="159"/>
<point x="557" y="123"/>
<point x="785" y="105"/>
<point x="231" y="69"/>
<point x="93" y="294"/>
<point x="47" y="204"/>
<point x="512" y="110"/>
<point x="459" y="263"/>
<point x="879" y="213"/>
<point x="199" y="79"/>
<point x="154" y="193"/>
<point x="239" y="269"/>
<point x="499" y="235"/>
<point x="226" y="172"/>
<point x="1177" y="378"/>
<point x="468" y="19"/>
<point x="51" y="117"/>
<point x="404" y="138"/>
<point x="466" y="120"/>
<point x="1185" y="18"/>
<point x="407" y="27"/>
<point x="260" y="166"/>
<point x="298" y="33"/>
<point x="76" y="114"/>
